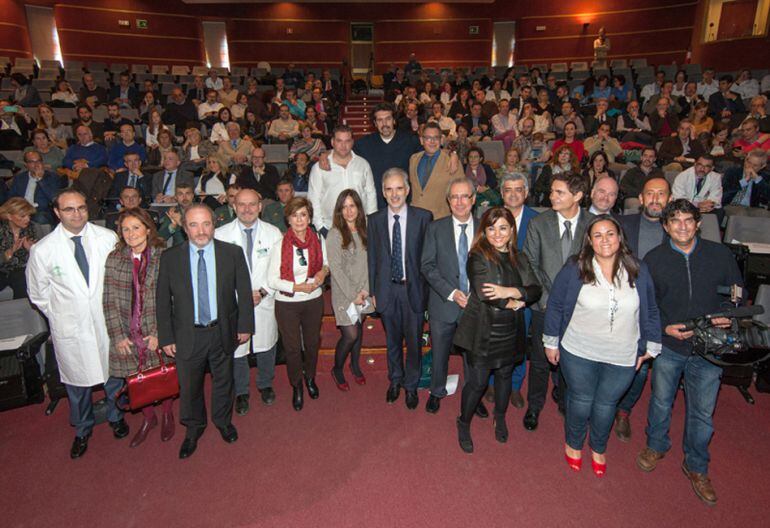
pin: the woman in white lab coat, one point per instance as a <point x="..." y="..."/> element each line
<point x="263" y="342"/>
<point x="73" y="305"/>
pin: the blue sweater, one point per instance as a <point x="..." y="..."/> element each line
<point x="119" y="149"/>
<point x="564" y="295"/>
<point x="382" y="156"/>
<point x="95" y="154"/>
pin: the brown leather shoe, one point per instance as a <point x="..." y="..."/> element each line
<point x="144" y="430"/>
<point x="648" y="459"/>
<point x="622" y="426"/>
<point x="167" y="427"/>
<point x="490" y="395"/>
<point x="701" y="485"/>
<point x="517" y="400"/>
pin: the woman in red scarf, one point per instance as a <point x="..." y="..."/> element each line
<point x="297" y="271"/>
<point x="130" y="278"/>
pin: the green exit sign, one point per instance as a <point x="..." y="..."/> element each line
<point x="141" y="23"/>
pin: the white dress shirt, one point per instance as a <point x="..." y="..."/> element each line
<point x="573" y="223"/>
<point x="324" y="187"/>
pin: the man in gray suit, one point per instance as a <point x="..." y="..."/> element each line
<point x="552" y="237"/>
<point x="444" y="257"/>
<point x="165" y="182"/>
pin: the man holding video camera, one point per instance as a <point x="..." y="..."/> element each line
<point x="690" y="274"/>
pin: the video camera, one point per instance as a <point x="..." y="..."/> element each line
<point x="745" y="342"/>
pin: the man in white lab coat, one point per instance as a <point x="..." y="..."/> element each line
<point x="257" y="238"/>
<point x="65" y="278"/>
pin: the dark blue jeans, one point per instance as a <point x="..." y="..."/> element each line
<point x="634" y="392"/>
<point x="592" y="395"/>
<point x="82" y="408"/>
<point x="701" y="385"/>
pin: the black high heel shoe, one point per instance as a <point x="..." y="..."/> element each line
<point x="464" y="436"/>
<point x="501" y="429"/>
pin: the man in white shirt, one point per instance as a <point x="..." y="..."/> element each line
<point x="447" y="124"/>
<point x="603" y="196"/>
<point x="257" y="239"/>
<point x="708" y="86"/>
<point x="208" y="110"/>
<point x="346" y="171"/>
<point x="700" y="185"/>
<point x="65" y="278"/>
<point x="648" y="90"/>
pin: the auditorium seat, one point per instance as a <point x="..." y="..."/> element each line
<point x="637" y="63"/>
<point x="763" y="299"/>
<point x="159" y="69"/>
<point x="179" y="69"/>
<point x="747" y="229"/>
<point x="709" y="228"/>
<point x="200" y="70"/>
<point x="94" y="67"/>
<point x="558" y="67"/>
<point x="118" y="68"/>
<point x="618" y="63"/>
<point x="494" y="151"/>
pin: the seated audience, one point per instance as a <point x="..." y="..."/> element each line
<point x="169" y="178"/>
<point x="568" y="114"/>
<point x="113" y="122"/>
<point x="273" y="212"/>
<point x="86" y="118"/>
<point x="679" y="152"/>
<point x="179" y="110"/>
<point x="16" y="238"/>
<point x="598" y="167"/>
<point x="296" y="106"/>
<point x="57" y="132"/>
<point x="260" y="176"/>
<point x="129" y="198"/>
<point x="480" y="173"/>
<point x="700" y="120"/>
<point x="213" y="181"/>
<point x="85" y="153"/>
<point x="51" y="154"/>
<point x="91" y="94"/>
<point x="123" y="146"/>
<point x="751" y="139"/>
<point x="219" y="129"/>
<point x="570" y="139"/>
<point x="725" y="103"/>
<point x="592" y="122"/>
<point x="305" y="143"/>
<point x="24" y="93"/>
<point x="208" y="110"/>
<point x="195" y="150"/>
<point x="133" y="177"/>
<point x="124" y="93"/>
<point x="283" y="129"/>
<point x="633" y="181"/>
<point x="227" y="95"/>
<point x="633" y="126"/>
<point x="197" y="92"/>
<point x="603" y="142"/>
<point x="155" y="154"/>
<point x="15" y="126"/>
<point x="236" y="151"/>
<point x="651" y="105"/>
<point x="64" y="96"/>
<point x="745" y="86"/>
<point x="225" y="213"/>
<point x="663" y="121"/>
<point x="152" y="128"/>
<point x="171" y="225"/>
<point x="563" y="161"/>
<point x="604" y="195"/>
<point x="252" y="126"/>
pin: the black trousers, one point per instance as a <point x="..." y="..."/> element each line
<point x="191" y="370"/>
<point x="16" y="280"/>
<point x="401" y="323"/>
<point x="441" y="336"/>
<point x="539" y="368"/>
<point x="476" y="383"/>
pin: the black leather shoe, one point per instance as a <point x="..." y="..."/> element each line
<point x="188" y="447"/>
<point x="229" y="434"/>
<point x="464" y="436"/>
<point x="393" y="392"/>
<point x="268" y="395"/>
<point x="297" y="400"/>
<point x="501" y="429"/>
<point x="530" y="420"/>
<point x="312" y="388"/>
<point x="79" y="446"/>
<point x="241" y="404"/>
<point x="433" y="404"/>
<point x="481" y="411"/>
<point x="412" y="400"/>
<point x="119" y="429"/>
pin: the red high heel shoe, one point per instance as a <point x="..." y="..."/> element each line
<point x="574" y="463"/>
<point x="599" y="469"/>
<point x="344" y="387"/>
<point x="361" y="380"/>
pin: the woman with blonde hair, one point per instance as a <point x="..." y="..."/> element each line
<point x="57" y="132"/>
<point x="212" y="185"/>
<point x="16" y="237"/>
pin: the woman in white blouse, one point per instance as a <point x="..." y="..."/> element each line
<point x="212" y="185"/>
<point x="297" y="271"/>
<point x="600" y="325"/>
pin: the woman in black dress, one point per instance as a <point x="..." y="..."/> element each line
<point x="491" y="331"/>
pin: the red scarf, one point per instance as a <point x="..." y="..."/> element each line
<point x="314" y="254"/>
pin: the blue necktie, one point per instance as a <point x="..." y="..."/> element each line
<point x="235" y="144"/>
<point x="80" y="256"/>
<point x="426" y="163"/>
<point x="462" y="258"/>
<point x="169" y="175"/>
<point x="204" y="310"/>
<point x="249" y="244"/>
<point x="396" y="266"/>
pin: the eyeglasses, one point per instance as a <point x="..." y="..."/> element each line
<point x="301" y="255"/>
<point x="459" y="197"/>
<point x="69" y="210"/>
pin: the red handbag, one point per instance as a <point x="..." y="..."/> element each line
<point x="149" y="386"/>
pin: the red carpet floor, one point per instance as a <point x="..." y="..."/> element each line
<point x="351" y="460"/>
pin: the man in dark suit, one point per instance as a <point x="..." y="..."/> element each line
<point x="166" y="181"/>
<point x="260" y="176"/>
<point x="124" y="93"/>
<point x="131" y="177"/>
<point x="552" y="237"/>
<point x="444" y="257"/>
<point x="396" y="236"/>
<point x="204" y="310"/>
<point x="679" y="152"/>
<point x="748" y="185"/>
<point x="725" y="104"/>
<point x="129" y="197"/>
<point x="644" y="232"/>
<point x="38" y="186"/>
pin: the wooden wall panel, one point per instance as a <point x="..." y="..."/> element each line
<point x="91" y="33"/>
<point x="14" y="36"/>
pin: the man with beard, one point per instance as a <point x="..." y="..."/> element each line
<point x="644" y="232"/>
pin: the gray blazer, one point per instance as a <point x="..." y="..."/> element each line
<point x="159" y="177"/>
<point x="349" y="274"/>
<point x="441" y="270"/>
<point x="542" y="246"/>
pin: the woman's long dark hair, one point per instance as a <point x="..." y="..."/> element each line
<point x="341" y="224"/>
<point x="623" y="257"/>
<point x="481" y="244"/>
<point x="153" y="239"/>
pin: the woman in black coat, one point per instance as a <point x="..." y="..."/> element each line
<point x="491" y="332"/>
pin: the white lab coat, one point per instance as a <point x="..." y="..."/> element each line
<point x="684" y="187"/>
<point x="266" y="237"/>
<point x="74" y="308"/>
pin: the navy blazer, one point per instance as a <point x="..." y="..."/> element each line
<point x="144" y="184"/>
<point x="45" y="192"/>
<point x="133" y="95"/>
<point x="526" y="215"/>
<point x="564" y="295"/>
<point x="378" y="256"/>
